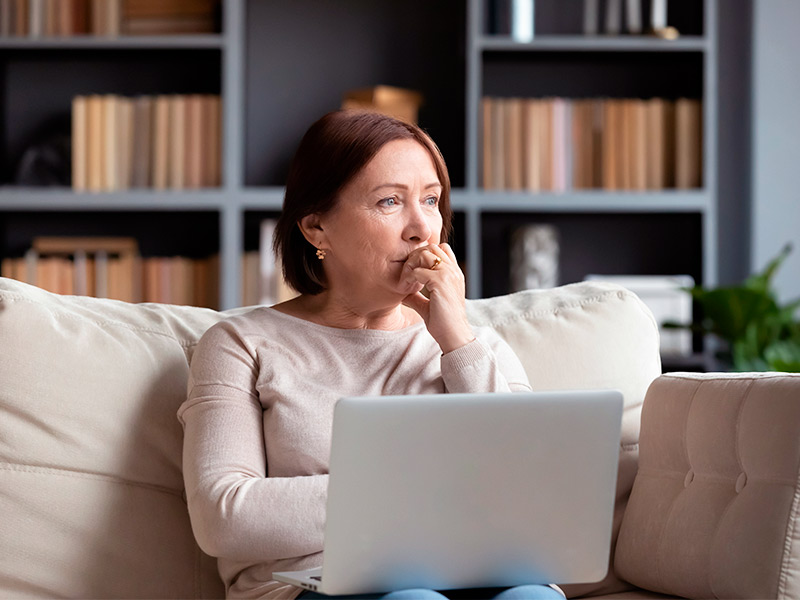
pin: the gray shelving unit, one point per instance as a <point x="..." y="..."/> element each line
<point x="242" y="196"/>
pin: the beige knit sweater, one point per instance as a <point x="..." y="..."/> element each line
<point x="257" y="428"/>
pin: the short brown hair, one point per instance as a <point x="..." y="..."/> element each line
<point x="332" y="152"/>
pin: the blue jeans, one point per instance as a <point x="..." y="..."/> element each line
<point x="522" y="592"/>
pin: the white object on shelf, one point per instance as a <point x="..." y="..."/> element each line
<point x="666" y="300"/>
<point x="522" y="20"/>
<point x="534" y="257"/>
<point x="658" y="14"/>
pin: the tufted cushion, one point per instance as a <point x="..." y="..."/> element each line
<point x="90" y="446"/>
<point x="715" y="506"/>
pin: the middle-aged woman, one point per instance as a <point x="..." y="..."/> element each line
<point x="365" y="214"/>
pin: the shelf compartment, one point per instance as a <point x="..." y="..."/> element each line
<point x="608" y="74"/>
<point x="355" y="44"/>
<point x="41" y="85"/>
<point x="565" y="17"/>
<point x="598" y="243"/>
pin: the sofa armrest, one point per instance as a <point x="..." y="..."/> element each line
<point x="715" y="504"/>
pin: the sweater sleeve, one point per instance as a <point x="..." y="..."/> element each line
<point x="236" y="511"/>
<point x="486" y="364"/>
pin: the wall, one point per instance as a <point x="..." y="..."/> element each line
<point x="776" y="139"/>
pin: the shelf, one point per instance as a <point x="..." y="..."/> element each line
<point x="593" y="201"/>
<point x="582" y="43"/>
<point x="53" y="199"/>
<point x="122" y="42"/>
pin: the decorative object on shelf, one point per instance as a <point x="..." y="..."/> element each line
<point x="556" y="144"/>
<point x="668" y="300"/>
<point x="658" y="21"/>
<point x="534" y="257"/>
<point x="45" y="164"/>
<point x="758" y="333"/>
<point x="157" y="142"/>
<point x="396" y="102"/>
<point x="522" y="20"/>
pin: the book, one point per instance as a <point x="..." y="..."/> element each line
<point x="638" y="151"/>
<point x="160" y="165"/>
<point x="498" y="143"/>
<point x="141" y="160"/>
<point x="111" y="125"/>
<point x="95" y="145"/>
<point x="79" y="143"/>
<point x="688" y="143"/>
<point x="193" y="152"/>
<point x="532" y="150"/>
<point x="613" y="17"/>
<point x="655" y="140"/>
<point x="486" y="143"/>
<point x="6" y="18"/>
<point x="633" y="16"/>
<point x="560" y="144"/>
<point x="213" y="137"/>
<point x="168" y="8"/>
<point x="513" y="136"/>
<point x="591" y="16"/>
<point x="177" y="142"/>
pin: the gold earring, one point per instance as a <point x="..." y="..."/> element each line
<point x="320" y="253"/>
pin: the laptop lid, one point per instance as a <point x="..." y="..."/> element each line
<point x="471" y="490"/>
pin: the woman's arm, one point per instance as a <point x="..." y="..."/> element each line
<point x="237" y="512"/>
<point x="487" y="364"/>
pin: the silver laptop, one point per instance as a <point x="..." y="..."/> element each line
<point x="453" y="491"/>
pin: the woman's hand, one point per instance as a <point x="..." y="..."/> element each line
<point x="445" y="315"/>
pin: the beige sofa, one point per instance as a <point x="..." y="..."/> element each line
<point x="91" y="493"/>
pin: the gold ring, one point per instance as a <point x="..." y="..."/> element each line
<point x="436" y="263"/>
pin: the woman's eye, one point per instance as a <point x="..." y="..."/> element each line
<point x="431" y="201"/>
<point x="390" y="201"/>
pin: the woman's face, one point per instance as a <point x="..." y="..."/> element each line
<point x="389" y="209"/>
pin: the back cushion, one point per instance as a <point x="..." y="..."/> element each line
<point x="90" y="448"/>
<point x="715" y="509"/>
<point x="581" y="336"/>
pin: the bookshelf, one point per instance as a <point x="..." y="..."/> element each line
<point x="274" y="83"/>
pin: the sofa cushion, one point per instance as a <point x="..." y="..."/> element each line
<point x="582" y="336"/>
<point x="90" y="448"/>
<point x="715" y="508"/>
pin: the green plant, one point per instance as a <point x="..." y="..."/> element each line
<point x="759" y="334"/>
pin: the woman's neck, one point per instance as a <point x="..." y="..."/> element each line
<point x="347" y="313"/>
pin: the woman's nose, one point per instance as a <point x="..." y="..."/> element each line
<point x="417" y="227"/>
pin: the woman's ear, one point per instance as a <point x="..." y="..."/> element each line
<point x="311" y="228"/>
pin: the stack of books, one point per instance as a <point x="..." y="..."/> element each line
<point x="112" y="268"/>
<point x="158" y="142"/>
<point x="556" y="144"/>
<point x="50" y="18"/>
